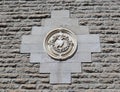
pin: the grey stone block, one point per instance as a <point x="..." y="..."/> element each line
<point x="78" y="30"/>
<point x="32" y="39"/>
<point x="80" y="57"/>
<point x="89" y="47"/>
<point x="31" y="48"/>
<point x="41" y="31"/>
<point x="86" y="43"/>
<point x="38" y="47"/>
<point x="41" y="57"/>
<point x="60" y="72"/>
<point x="60" y="67"/>
<point x="60" y="13"/>
<point x="60" y="22"/>
<point x="60" y="77"/>
<point x="88" y="38"/>
<point x="44" y="30"/>
<point x="77" y="58"/>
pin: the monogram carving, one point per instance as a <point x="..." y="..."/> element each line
<point x="60" y="43"/>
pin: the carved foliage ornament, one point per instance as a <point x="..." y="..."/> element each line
<point x="60" y="43"/>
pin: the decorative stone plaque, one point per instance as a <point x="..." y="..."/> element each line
<point x="60" y="45"/>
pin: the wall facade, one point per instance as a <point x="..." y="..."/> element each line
<point x="17" y="17"/>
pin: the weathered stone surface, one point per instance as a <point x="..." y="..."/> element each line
<point x="58" y="14"/>
<point x="28" y="86"/>
<point x="36" y="58"/>
<point x="80" y="30"/>
<point x="60" y="22"/>
<point x="31" y="48"/>
<point x="59" y="67"/>
<point x="9" y="75"/>
<point x="101" y="16"/>
<point x="20" y="81"/>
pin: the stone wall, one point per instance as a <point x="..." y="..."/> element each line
<point x="17" y="17"/>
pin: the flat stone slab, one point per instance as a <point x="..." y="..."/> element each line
<point x="38" y="58"/>
<point x="78" y="30"/>
<point x="60" y="67"/>
<point x="60" y="22"/>
<point x="60" y="14"/>
<point x="60" y="78"/>
<point x="86" y="43"/>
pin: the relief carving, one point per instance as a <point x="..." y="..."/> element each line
<point x="60" y="43"/>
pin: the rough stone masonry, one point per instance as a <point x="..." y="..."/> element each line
<point x="17" y="17"/>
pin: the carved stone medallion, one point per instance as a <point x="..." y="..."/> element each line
<point x="60" y="43"/>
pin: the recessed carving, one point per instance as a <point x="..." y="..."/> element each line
<point x="60" y="43"/>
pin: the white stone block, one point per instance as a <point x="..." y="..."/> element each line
<point x="60" y="72"/>
<point x="37" y="58"/>
<point x="89" y="47"/>
<point x="31" y="48"/>
<point x="39" y="30"/>
<point x="80" y="57"/>
<point x="43" y="30"/>
<point x="84" y="57"/>
<point x="32" y="39"/>
<point x="60" y="13"/>
<point x="59" y="67"/>
<point x="60" y="77"/>
<point x="35" y="28"/>
<point x="60" y="22"/>
<point x="78" y="30"/>
<point x="88" y="43"/>
<point x="41" y="58"/>
<point x="83" y="29"/>
<point x="88" y="38"/>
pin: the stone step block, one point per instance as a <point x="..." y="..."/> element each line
<point x="60" y="22"/>
<point x="31" y="48"/>
<point x="60" y="78"/>
<point x="60" y="67"/>
<point x="77" y="57"/>
<point x="78" y="30"/>
<point x="61" y="13"/>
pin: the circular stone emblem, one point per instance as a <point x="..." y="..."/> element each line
<point x="60" y="43"/>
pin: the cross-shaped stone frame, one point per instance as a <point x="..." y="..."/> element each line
<point x="60" y="71"/>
